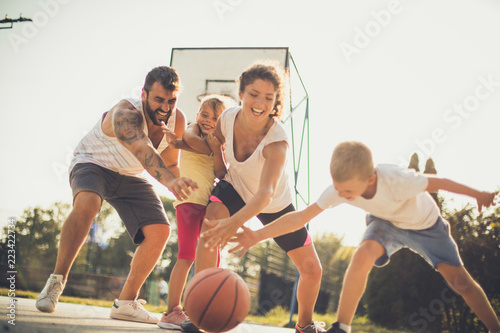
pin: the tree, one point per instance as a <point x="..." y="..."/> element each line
<point x="334" y="258"/>
<point x="37" y="235"/>
<point x="478" y="240"/>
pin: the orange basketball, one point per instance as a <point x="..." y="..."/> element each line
<point x="216" y="300"/>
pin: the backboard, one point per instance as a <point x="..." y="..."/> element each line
<point x="215" y="71"/>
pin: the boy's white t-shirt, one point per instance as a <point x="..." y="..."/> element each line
<point x="400" y="199"/>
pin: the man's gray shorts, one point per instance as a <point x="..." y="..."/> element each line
<point x="134" y="198"/>
<point x="434" y="244"/>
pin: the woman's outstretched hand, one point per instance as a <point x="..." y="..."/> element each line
<point x="245" y="240"/>
<point x="219" y="232"/>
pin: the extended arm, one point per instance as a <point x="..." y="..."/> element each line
<point x="483" y="198"/>
<point x="285" y="224"/>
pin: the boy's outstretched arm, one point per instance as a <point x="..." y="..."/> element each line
<point x="285" y="224"/>
<point x="483" y="198"/>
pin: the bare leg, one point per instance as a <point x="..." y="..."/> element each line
<point x="86" y="205"/>
<point x="204" y="257"/>
<point x="307" y="262"/>
<point x="145" y="258"/>
<point x="356" y="277"/>
<point x="177" y="281"/>
<point x="462" y="283"/>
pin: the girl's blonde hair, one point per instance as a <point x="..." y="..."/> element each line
<point x="218" y="103"/>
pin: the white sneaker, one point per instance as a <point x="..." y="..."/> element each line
<point x="173" y="320"/>
<point x="48" y="298"/>
<point x="132" y="311"/>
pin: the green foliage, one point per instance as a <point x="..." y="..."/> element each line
<point x="334" y="259"/>
<point x="37" y="235"/>
<point x="396" y="293"/>
<point x="37" y="239"/>
<point x="478" y="240"/>
<point x="169" y="256"/>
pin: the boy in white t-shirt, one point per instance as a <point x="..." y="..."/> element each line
<point x="401" y="213"/>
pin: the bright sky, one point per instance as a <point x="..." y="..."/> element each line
<point x="400" y="76"/>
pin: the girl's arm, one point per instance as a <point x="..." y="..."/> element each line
<point x="192" y="138"/>
<point x="219" y="164"/>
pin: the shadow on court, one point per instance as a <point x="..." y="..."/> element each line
<point x="74" y="318"/>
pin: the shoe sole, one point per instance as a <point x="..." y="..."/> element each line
<point x="169" y="326"/>
<point x="128" y="318"/>
<point x="46" y="310"/>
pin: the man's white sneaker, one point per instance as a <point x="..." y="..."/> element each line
<point x="173" y="320"/>
<point x="48" y="298"/>
<point x="132" y="311"/>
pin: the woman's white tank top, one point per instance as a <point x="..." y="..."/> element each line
<point x="245" y="176"/>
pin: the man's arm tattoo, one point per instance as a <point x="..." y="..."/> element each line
<point x="155" y="168"/>
<point x="148" y="160"/>
<point x="158" y="176"/>
<point x="128" y="126"/>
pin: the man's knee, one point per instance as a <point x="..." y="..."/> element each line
<point x="87" y="205"/>
<point x="156" y="233"/>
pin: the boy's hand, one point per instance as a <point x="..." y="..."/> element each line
<point x="245" y="240"/>
<point x="486" y="199"/>
<point x="220" y="232"/>
<point x="169" y="135"/>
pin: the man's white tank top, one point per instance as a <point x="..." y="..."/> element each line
<point x="106" y="151"/>
<point x="245" y="176"/>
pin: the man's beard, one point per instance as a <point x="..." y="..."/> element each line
<point x="152" y="114"/>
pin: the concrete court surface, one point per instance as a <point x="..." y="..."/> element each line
<point x="74" y="318"/>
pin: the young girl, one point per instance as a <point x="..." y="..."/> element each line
<point x="201" y="159"/>
<point x="256" y="184"/>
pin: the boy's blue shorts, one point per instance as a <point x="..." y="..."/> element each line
<point x="434" y="244"/>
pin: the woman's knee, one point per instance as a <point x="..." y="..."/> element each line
<point x="216" y="211"/>
<point x="308" y="264"/>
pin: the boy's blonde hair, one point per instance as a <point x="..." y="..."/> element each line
<point x="351" y="160"/>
